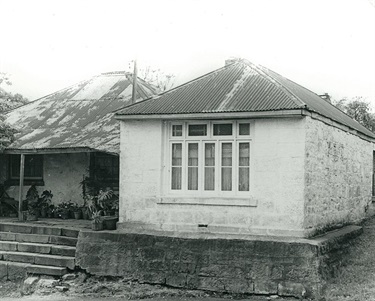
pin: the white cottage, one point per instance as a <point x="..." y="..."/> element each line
<point x="68" y="135"/>
<point x="242" y="150"/>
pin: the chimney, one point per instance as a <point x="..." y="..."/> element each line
<point x="231" y="60"/>
<point x="326" y="97"/>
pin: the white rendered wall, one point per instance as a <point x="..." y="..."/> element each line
<point x="277" y="181"/>
<point x="61" y="174"/>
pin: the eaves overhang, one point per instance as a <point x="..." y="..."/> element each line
<point x="216" y="115"/>
<point x="69" y="150"/>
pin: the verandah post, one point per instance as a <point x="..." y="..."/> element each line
<point x="22" y="169"/>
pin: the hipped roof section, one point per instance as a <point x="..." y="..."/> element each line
<point x="78" y="117"/>
<point x="239" y="87"/>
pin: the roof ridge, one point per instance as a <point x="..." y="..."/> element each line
<point x="329" y="103"/>
<point x="48" y="95"/>
<point x="120" y="72"/>
<point x="258" y="68"/>
<point x="177" y="87"/>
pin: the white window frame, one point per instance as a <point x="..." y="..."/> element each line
<point x="235" y="139"/>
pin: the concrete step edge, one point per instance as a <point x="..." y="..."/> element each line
<point x="17" y="270"/>
<point x="38" y="259"/>
<point x="38" y="238"/>
<point x="38" y="244"/>
<point x="38" y="229"/>
<point x="37" y="248"/>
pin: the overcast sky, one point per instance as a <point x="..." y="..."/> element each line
<point x="326" y="46"/>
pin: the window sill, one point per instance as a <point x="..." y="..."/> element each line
<point x="210" y="201"/>
<point x="15" y="182"/>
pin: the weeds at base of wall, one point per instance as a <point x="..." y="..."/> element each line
<point x="11" y="288"/>
<point x="85" y="285"/>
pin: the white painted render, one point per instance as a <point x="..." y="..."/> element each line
<point x="274" y="206"/>
<point x="61" y="174"/>
<point x="306" y="177"/>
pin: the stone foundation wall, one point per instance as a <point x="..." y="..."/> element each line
<point x="287" y="267"/>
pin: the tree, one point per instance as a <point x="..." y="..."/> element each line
<point x="7" y="101"/>
<point x="359" y="109"/>
<point x="163" y="81"/>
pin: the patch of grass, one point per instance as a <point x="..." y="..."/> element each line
<point x="355" y="279"/>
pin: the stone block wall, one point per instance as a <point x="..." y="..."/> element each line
<point x="287" y="267"/>
<point x="338" y="177"/>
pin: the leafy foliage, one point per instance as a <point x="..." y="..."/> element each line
<point x="8" y="101"/>
<point x="359" y="109"/>
<point x="163" y="81"/>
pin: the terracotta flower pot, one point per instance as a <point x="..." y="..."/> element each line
<point x="97" y="226"/>
<point x="78" y="214"/>
<point x="32" y="217"/>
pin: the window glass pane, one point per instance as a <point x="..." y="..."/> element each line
<point x="176" y="178"/>
<point x="176" y="166"/>
<point x="193" y="166"/>
<point x="244" y="167"/>
<point x="33" y="168"/>
<point x="224" y="129"/>
<point x="197" y="129"/>
<point x="244" y="154"/>
<point x="243" y="182"/>
<point x="15" y="166"/>
<point x="244" y="128"/>
<point x="209" y="169"/>
<point x="177" y="130"/>
<point x="176" y="154"/>
<point x="226" y="167"/>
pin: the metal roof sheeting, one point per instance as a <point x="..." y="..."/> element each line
<point x="240" y="87"/>
<point x="80" y="116"/>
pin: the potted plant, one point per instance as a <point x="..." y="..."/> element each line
<point x="51" y="210"/>
<point x="108" y="201"/>
<point x="115" y="205"/>
<point x="77" y="211"/>
<point x="33" y="209"/>
<point x="64" y="209"/>
<point x="44" y="202"/>
<point x="97" y="221"/>
<point x="85" y="212"/>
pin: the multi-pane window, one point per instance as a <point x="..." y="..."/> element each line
<point x="33" y="168"/>
<point x="210" y="157"/>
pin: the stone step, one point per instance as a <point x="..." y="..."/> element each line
<point x="37" y="248"/>
<point x="38" y="229"/>
<point x="38" y="238"/>
<point x="15" y="270"/>
<point x="38" y="259"/>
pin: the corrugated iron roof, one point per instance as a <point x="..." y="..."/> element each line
<point x="240" y="87"/>
<point x="80" y="116"/>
